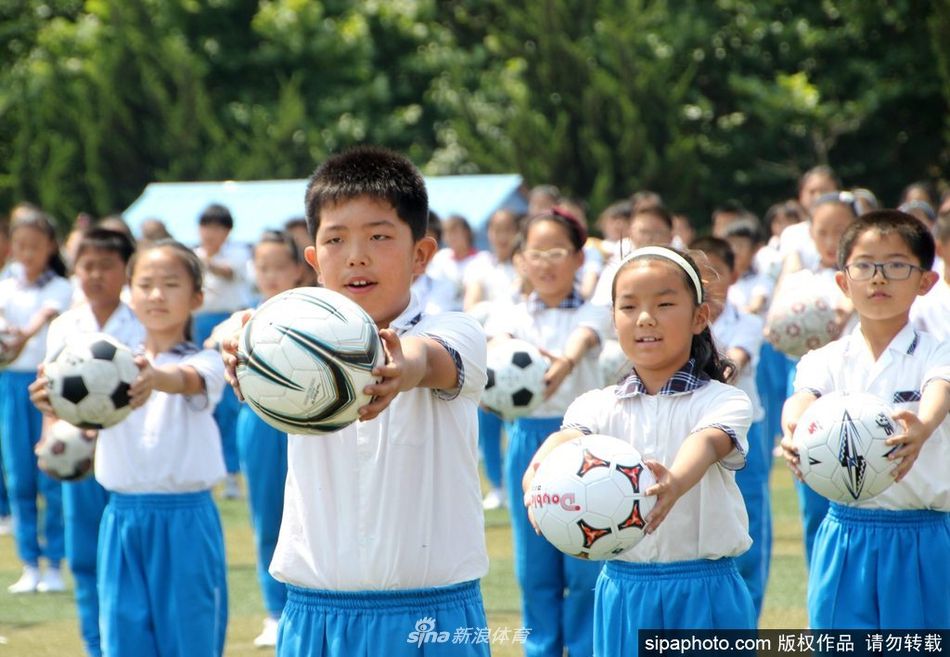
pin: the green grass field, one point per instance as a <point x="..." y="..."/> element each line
<point x="45" y="625"/>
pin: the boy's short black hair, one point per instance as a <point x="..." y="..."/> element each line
<point x="106" y="239"/>
<point x="890" y="222"/>
<point x="216" y="215"/>
<point x="716" y="247"/>
<point x="374" y="172"/>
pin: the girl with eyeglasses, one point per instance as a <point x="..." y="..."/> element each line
<point x="557" y="591"/>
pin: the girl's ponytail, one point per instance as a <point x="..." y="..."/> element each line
<point x="708" y="360"/>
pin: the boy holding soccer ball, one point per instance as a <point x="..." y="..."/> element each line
<point x="383" y="533"/>
<point x="101" y="261"/>
<point x="884" y="562"/>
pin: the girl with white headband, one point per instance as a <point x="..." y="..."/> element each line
<point x="690" y="426"/>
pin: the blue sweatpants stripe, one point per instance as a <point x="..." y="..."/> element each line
<point x="489" y="440"/>
<point x="263" y="451"/>
<point x="20" y="429"/>
<point x="406" y="623"/>
<point x="753" y="482"/>
<point x="557" y="590"/>
<point x="878" y="569"/>
<point x="162" y="576"/>
<point x="83" y="505"/>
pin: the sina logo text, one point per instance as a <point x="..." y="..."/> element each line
<point x="425" y="632"/>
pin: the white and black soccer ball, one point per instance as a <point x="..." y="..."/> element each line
<point x="840" y="440"/>
<point x="515" y="384"/>
<point x="589" y="497"/>
<point x="66" y="453"/>
<point x="89" y="380"/>
<point x="802" y="317"/>
<point x="304" y="358"/>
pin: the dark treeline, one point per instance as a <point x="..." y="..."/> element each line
<point x="700" y="100"/>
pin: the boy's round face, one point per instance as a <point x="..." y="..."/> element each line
<point x="366" y="252"/>
<point x="101" y="275"/>
<point x="744" y="250"/>
<point x="880" y="298"/>
<point x="212" y="236"/>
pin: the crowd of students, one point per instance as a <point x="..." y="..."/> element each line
<point x="357" y="535"/>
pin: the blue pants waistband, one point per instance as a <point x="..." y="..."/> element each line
<point x="694" y="569"/>
<point x="402" y="600"/>
<point x="886" y="517"/>
<point x="160" y="500"/>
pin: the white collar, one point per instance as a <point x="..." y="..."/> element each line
<point x="905" y="342"/>
<point x="408" y="317"/>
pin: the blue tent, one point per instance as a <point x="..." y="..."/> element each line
<point x="261" y="204"/>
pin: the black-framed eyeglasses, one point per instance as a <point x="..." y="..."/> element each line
<point x="892" y="271"/>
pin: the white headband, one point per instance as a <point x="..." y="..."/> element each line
<point x="672" y="256"/>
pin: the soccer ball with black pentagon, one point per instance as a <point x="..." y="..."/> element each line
<point x="589" y="497"/>
<point x="305" y="357"/>
<point x="840" y="440"/>
<point x="515" y="384"/>
<point x="66" y="452"/>
<point x="89" y="381"/>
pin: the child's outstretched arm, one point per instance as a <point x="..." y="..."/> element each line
<point x="697" y="454"/>
<point x="793" y="409"/>
<point x="229" y="351"/>
<point x="411" y="362"/>
<point x="174" y="379"/>
<point x="581" y="339"/>
<point x="934" y="408"/>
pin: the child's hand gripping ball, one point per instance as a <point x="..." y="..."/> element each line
<point x="588" y="497"/>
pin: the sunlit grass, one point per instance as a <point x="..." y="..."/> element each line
<point x="45" y="625"/>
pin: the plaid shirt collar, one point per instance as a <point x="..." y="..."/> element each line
<point x="572" y="301"/>
<point x="40" y="281"/>
<point x="686" y="379"/>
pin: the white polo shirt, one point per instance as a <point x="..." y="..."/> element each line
<point x="221" y="294"/>
<point x="550" y="328"/>
<point x="499" y="280"/>
<point x="171" y="444"/>
<point x="448" y="275"/>
<point x="735" y="329"/>
<point x="898" y="377"/>
<point x="750" y="285"/>
<point x="19" y="303"/>
<point x="931" y="312"/>
<point x="395" y="502"/>
<point x="709" y="521"/>
<point x="122" y="325"/>
<point x="797" y="239"/>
